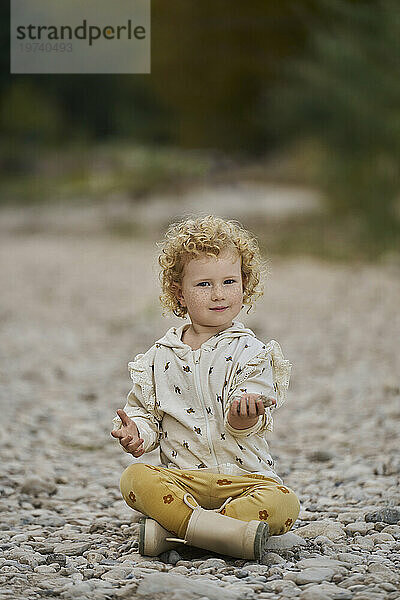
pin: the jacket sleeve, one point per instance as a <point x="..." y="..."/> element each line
<point x="266" y="373"/>
<point x="141" y="404"/>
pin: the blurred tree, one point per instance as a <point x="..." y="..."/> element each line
<point x="346" y="97"/>
<point x="30" y="114"/>
<point x="212" y="63"/>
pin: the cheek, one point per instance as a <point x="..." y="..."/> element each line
<point x="196" y="298"/>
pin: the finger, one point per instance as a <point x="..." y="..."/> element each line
<point x="123" y="416"/>
<point x="134" y="446"/>
<point x="260" y="407"/>
<point x="117" y="433"/>
<point x="252" y="407"/>
<point x="243" y="407"/>
<point x="138" y="453"/>
<point x="125" y="440"/>
<point x="234" y="407"/>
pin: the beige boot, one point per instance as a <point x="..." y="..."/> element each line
<point x="213" y="531"/>
<point x="154" y="539"/>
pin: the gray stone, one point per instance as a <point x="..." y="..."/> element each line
<point x="385" y="515"/>
<point x="285" y="541"/>
<point x="44" y="569"/>
<point x="331" y="530"/>
<point x="384" y="573"/>
<point x="320" y="456"/>
<point x="163" y="583"/>
<point x="393" y="530"/>
<point x="313" y="575"/>
<point x="359" y="527"/>
<point x="35" y="486"/>
<point x="325" y="591"/>
<point x="72" y="548"/>
<point x="271" y="558"/>
<point x="117" y="574"/>
<point x="319" y="561"/>
<point x="255" y="568"/>
<point x="210" y="563"/>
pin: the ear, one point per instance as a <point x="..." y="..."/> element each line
<point x="178" y="293"/>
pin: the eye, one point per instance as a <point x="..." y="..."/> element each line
<point x="207" y="282"/>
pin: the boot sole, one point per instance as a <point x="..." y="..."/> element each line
<point x="260" y="540"/>
<point x="142" y="527"/>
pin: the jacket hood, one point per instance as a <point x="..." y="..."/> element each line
<point x="172" y="338"/>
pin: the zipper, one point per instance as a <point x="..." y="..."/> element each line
<point x="200" y="396"/>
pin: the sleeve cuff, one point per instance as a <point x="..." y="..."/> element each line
<point x="245" y="432"/>
<point x="145" y="432"/>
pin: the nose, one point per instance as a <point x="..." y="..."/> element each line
<point x="218" y="292"/>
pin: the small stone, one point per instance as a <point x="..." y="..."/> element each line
<point x="213" y="563"/>
<point x="386" y="515"/>
<point x="172" y="557"/>
<point x="383" y="572"/>
<point x="393" y="530"/>
<point x="240" y="573"/>
<point x="93" y="557"/>
<point x="271" y="558"/>
<point x="359" y="527"/>
<point x="313" y="575"/>
<point x="60" y="559"/>
<point x="325" y="591"/>
<point x="331" y="530"/>
<point x="285" y="541"/>
<point x="72" y="548"/>
<point x="180" y="570"/>
<point x="320" y="456"/>
<point x="44" y="569"/>
<point x="319" y="561"/>
<point x="117" y="574"/>
<point x="256" y="568"/>
<point x="163" y="583"/>
<point x="381" y="538"/>
<point x="35" y="485"/>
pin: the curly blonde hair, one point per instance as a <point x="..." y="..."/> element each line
<point x="207" y="235"/>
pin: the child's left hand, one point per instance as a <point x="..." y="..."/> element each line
<point x="245" y="411"/>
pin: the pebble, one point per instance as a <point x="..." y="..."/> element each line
<point x="312" y="575"/>
<point x="359" y="527"/>
<point x="285" y="541"/>
<point x="35" y="486"/>
<point x="330" y="529"/>
<point x="72" y="548"/>
<point x="165" y="582"/>
<point x="386" y="515"/>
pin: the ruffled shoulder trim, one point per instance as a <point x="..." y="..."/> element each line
<point x="281" y="369"/>
<point x="141" y="372"/>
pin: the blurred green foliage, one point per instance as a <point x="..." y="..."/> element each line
<point x="343" y="96"/>
<point x="212" y="63"/>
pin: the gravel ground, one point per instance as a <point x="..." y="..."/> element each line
<point x="74" y="310"/>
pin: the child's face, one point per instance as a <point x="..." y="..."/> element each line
<point x="209" y="282"/>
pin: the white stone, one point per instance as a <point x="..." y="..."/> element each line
<point x="313" y="575"/>
<point x="285" y="541"/>
<point x="159" y="583"/>
<point x="331" y="530"/>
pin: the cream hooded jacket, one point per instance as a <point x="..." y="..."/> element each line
<point x="181" y="397"/>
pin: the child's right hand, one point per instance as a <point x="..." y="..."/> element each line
<point x="128" y="435"/>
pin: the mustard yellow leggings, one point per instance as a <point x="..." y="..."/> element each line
<point x="158" y="493"/>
